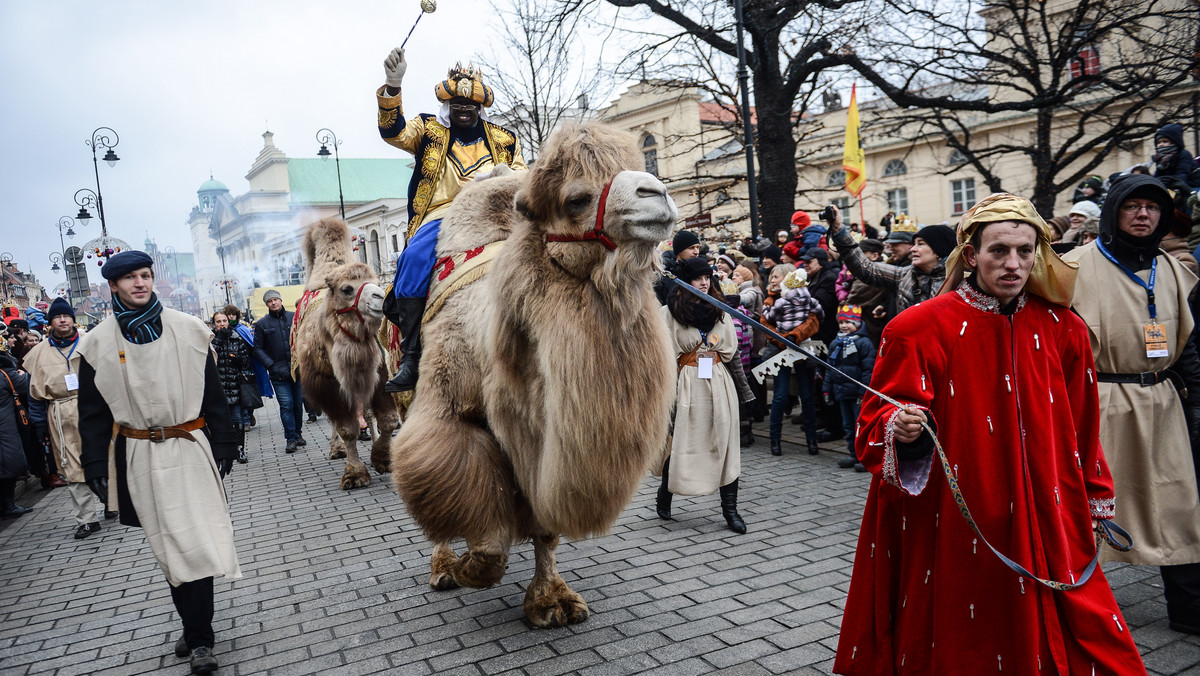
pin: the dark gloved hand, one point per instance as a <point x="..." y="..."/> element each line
<point x="99" y="486"/>
<point x="224" y="466"/>
<point x="280" y="371"/>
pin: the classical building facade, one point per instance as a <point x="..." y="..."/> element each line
<point x="252" y="240"/>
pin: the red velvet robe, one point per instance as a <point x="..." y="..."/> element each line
<point x="927" y="596"/>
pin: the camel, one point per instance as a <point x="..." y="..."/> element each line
<point x="545" y="391"/>
<point x="335" y="349"/>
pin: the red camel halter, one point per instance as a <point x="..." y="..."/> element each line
<point x="354" y="309"/>
<point x="596" y="234"/>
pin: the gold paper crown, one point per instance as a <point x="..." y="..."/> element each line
<point x="904" y="224"/>
<point x="729" y="288"/>
<point x="466" y="83"/>
<point x="796" y="279"/>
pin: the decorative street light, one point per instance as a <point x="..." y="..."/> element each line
<point x="326" y="138"/>
<point x="56" y="258"/>
<point x="170" y="251"/>
<point x="103" y="246"/>
<point x="5" y="261"/>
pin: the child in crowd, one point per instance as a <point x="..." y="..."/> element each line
<point x="794" y="305"/>
<point x="852" y="353"/>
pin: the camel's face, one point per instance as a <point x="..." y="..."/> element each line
<point x="639" y="209"/>
<point x="369" y="301"/>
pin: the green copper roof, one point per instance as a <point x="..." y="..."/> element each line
<point x="315" y="180"/>
<point x="212" y="185"/>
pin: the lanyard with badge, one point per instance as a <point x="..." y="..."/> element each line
<point x="71" y="378"/>
<point x="705" y="358"/>
<point x="1155" y="334"/>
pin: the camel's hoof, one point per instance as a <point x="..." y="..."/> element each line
<point x="480" y="570"/>
<point x="442" y="581"/>
<point x="356" y="476"/>
<point x="337" y="454"/>
<point x="382" y="460"/>
<point x="556" y="607"/>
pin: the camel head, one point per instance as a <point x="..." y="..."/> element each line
<point x="588" y="171"/>
<point x="354" y="287"/>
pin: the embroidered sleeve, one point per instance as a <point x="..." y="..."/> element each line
<point x="910" y="476"/>
<point x="1103" y="508"/>
<point x="393" y="127"/>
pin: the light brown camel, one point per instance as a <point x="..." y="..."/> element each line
<point x="334" y="347"/>
<point x="545" y="388"/>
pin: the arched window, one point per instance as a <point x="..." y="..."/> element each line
<point x="895" y="168"/>
<point x="650" y="154"/>
<point x="957" y="158"/>
<point x="836" y="177"/>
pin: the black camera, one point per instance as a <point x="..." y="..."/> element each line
<point x="827" y="215"/>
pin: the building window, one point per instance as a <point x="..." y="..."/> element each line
<point x="957" y="158"/>
<point x="836" y="177"/>
<point x="1085" y="63"/>
<point x="844" y="205"/>
<point x="650" y="154"/>
<point x="895" y="168"/>
<point x="962" y="195"/>
<point x="897" y="200"/>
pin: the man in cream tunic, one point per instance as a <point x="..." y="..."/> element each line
<point x="149" y="372"/>
<point x="53" y="367"/>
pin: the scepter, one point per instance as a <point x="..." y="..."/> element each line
<point x="427" y="7"/>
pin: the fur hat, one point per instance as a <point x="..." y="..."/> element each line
<point x="693" y="268"/>
<point x="796" y="279"/>
<point x="464" y="83"/>
<point x="682" y="240"/>
<point x="60" y="306"/>
<point x="940" y="238"/>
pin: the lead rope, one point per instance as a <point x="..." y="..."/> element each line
<point x="1108" y="531"/>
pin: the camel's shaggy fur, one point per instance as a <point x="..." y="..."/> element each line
<point x="545" y="388"/>
<point x="341" y="364"/>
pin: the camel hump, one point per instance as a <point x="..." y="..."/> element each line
<point x="326" y="246"/>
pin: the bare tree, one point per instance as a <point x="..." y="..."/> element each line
<point x="548" y="81"/>
<point x="1087" y="78"/>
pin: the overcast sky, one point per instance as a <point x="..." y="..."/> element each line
<point x="190" y="88"/>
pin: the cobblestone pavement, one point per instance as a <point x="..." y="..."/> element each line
<point x="335" y="583"/>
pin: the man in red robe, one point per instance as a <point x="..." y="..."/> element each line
<point x="1002" y="370"/>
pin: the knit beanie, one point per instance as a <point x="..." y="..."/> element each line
<point x="693" y="268"/>
<point x="60" y="306"/>
<point x="940" y="238"/>
<point x="773" y="253"/>
<point x="682" y="240"/>
<point x="850" y="313"/>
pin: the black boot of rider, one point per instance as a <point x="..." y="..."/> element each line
<point x="406" y="314"/>
<point x="662" y="503"/>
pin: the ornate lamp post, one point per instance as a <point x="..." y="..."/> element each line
<point x="327" y="138"/>
<point x="104" y="246"/>
<point x="5" y="261"/>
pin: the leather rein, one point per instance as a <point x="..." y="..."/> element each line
<point x="596" y="234"/>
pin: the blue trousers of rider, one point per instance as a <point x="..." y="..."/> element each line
<point x="415" y="266"/>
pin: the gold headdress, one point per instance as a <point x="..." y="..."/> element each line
<point x="466" y="83"/>
<point x="1052" y="278"/>
<point x="904" y="224"/>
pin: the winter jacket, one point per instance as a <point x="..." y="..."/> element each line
<point x="664" y="284"/>
<point x="272" y="345"/>
<point x="813" y="237"/>
<point x="745" y="336"/>
<point x="752" y="298"/>
<point x="845" y="280"/>
<point x="854" y="354"/>
<point x="261" y="377"/>
<point x="1180" y="164"/>
<point x="792" y="309"/>
<point x="233" y="364"/>
<point x="822" y="286"/>
<point x="909" y="285"/>
<point x="12" y="448"/>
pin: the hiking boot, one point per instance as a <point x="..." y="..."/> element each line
<point x="202" y="661"/>
<point x="291" y="446"/>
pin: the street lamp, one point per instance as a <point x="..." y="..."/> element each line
<point x="327" y="138"/>
<point x="5" y="261"/>
<point x="104" y="246"/>
<point x="747" y="127"/>
<point x="170" y="251"/>
<point x="56" y="258"/>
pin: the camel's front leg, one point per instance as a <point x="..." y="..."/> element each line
<point x="337" y="449"/>
<point x="549" y="602"/>
<point x="484" y="563"/>
<point x="356" y="474"/>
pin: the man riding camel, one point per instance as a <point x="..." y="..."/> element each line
<point x="452" y="148"/>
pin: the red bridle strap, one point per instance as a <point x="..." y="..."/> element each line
<point x="354" y="309"/>
<point x="596" y="234"/>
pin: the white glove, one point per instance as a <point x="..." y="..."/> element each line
<point x="393" y="68"/>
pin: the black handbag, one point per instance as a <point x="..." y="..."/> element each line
<point x="248" y="395"/>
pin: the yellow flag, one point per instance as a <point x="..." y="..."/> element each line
<point x="853" y="161"/>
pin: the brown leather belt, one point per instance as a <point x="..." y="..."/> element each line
<point x="693" y="358"/>
<point x="161" y="434"/>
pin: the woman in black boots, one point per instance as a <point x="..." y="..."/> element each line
<point x="14" y="435"/>
<point x="705" y="451"/>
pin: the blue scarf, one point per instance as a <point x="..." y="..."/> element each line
<point x="65" y="342"/>
<point x="140" y="326"/>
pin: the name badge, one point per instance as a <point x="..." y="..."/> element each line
<point x="704" y="362"/>
<point x="72" y="381"/>
<point x="1156" y="340"/>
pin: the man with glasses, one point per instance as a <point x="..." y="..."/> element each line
<point x="452" y="148"/>
<point x="1134" y="299"/>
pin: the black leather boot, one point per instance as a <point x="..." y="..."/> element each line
<point x="406" y="314"/>
<point x="747" y="435"/>
<point x="662" y="503"/>
<point x="776" y="449"/>
<point x="812" y="446"/>
<point x="729" y="507"/>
